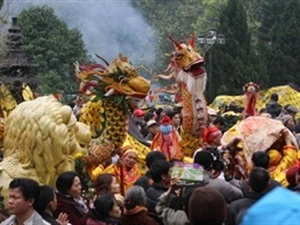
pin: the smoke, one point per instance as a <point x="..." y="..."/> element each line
<point x="109" y="27"/>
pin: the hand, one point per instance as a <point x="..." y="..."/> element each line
<point x="233" y="142"/>
<point x="62" y="219"/>
<point x="289" y="140"/>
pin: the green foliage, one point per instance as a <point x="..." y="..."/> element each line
<point x="235" y="63"/>
<point x="170" y="18"/>
<point x="283" y="55"/>
<point x="87" y="186"/>
<point x="54" y="46"/>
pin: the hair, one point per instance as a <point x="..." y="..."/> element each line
<point x="65" y="181"/>
<point x="103" y="206"/>
<point x="154" y="156"/>
<point x="219" y="120"/>
<point x="45" y="197"/>
<point x="159" y="168"/>
<point x="263" y="110"/>
<point x="261" y="159"/>
<point x="103" y="183"/>
<point x="135" y="196"/>
<point x="30" y="188"/>
<point x="206" y="206"/>
<point x="258" y="179"/>
<point x="274" y="97"/>
<point x="173" y="113"/>
<point x="148" y="116"/>
<point x="210" y="158"/>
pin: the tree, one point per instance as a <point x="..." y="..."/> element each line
<point x="235" y="63"/>
<point x="54" y="46"/>
<point x="283" y="54"/>
<point x="170" y="18"/>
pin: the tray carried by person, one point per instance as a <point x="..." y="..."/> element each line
<point x="189" y="173"/>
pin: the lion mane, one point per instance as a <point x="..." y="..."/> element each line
<point x="40" y="140"/>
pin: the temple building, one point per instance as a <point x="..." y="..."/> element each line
<point x="16" y="67"/>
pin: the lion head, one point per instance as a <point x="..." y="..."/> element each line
<point x="41" y="140"/>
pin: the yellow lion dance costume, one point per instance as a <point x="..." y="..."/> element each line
<point x="41" y="140"/>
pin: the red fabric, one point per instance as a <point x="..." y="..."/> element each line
<point x="138" y="112"/>
<point x="209" y="133"/>
<point x="165" y="120"/>
<point x="67" y="205"/>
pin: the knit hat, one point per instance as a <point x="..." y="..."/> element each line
<point x="206" y="206"/>
<point x="280" y="206"/>
<point x="210" y="133"/>
<point x="138" y="112"/>
<point x="285" y="118"/>
<point x="291" y="174"/>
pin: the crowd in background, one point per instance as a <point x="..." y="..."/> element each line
<point x="122" y="195"/>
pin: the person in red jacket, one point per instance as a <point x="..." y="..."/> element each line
<point x="69" y="198"/>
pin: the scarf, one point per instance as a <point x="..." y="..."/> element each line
<point x="135" y="210"/>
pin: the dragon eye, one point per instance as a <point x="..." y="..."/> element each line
<point x="178" y="56"/>
<point x="121" y="77"/>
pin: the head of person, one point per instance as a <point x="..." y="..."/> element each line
<point x="46" y="200"/>
<point x="68" y="183"/>
<point x="258" y="179"/>
<point x="219" y="122"/>
<point x="212" y="114"/>
<point x="149" y="116"/>
<point x="211" y="161"/>
<point x="153" y="127"/>
<point x="153" y="156"/>
<point x="175" y="118"/>
<point x="135" y="196"/>
<point x="288" y="120"/>
<point x="107" y="183"/>
<point x="23" y="193"/>
<point x="129" y="156"/>
<point x="261" y="159"/>
<point x="212" y="136"/>
<point x="206" y="206"/>
<point x="160" y="172"/>
<point x="291" y="175"/>
<point x="105" y="207"/>
<point x="274" y="97"/>
<point x="291" y="110"/>
<point x="139" y="114"/>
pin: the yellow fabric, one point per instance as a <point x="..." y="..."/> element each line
<point x="275" y="157"/>
<point x="289" y="159"/>
<point x="287" y="95"/>
<point x="95" y="172"/>
<point x="129" y="176"/>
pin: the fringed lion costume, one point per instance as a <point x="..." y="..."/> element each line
<point x="41" y="140"/>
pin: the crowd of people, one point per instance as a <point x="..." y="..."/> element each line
<point x="123" y="195"/>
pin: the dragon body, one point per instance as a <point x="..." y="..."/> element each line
<point x="113" y="90"/>
<point x="187" y="69"/>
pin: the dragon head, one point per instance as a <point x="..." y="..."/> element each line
<point x="189" y="64"/>
<point x="116" y="79"/>
<point x="187" y="59"/>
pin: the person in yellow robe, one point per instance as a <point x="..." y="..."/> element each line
<point x="125" y="170"/>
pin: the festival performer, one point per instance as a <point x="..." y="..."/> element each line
<point x="167" y="140"/>
<point x="125" y="170"/>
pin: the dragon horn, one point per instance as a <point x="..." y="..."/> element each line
<point x="192" y="40"/>
<point x="98" y="56"/>
<point x="176" y="43"/>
